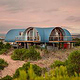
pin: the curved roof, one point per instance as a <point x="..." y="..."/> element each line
<point x="10" y="36"/>
<point x="67" y="36"/>
<point x="43" y="32"/>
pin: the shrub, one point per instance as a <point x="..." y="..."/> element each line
<point x="58" y="63"/>
<point x="7" y="78"/>
<point x="22" y="54"/>
<point x="3" y="51"/>
<point x="3" y="64"/>
<point x="1" y="45"/>
<point x="26" y="66"/>
<point x="4" y="47"/>
<point x="18" y="54"/>
<point x="33" y="54"/>
<point x="59" y="73"/>
<point x="37" y="46"/>
<point x="7" y="46"/>
<point x="74" y="62"/>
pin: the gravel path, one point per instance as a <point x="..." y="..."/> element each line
<point x="13" y="65"/>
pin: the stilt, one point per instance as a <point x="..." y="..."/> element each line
<point x="24" y="45"/>
<point x="17" y="45"/>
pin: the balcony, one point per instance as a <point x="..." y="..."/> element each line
<point x="60" y="38"/>
<point x="26" y="39"/>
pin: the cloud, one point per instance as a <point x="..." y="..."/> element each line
<point x="73" y="19"/>
<point x="12" y="5"/>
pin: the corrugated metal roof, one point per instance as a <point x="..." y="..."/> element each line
<point x="10" y="36"/>
<point x="67" y="36"/>
<point x="43" y="32"/>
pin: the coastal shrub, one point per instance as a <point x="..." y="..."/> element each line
<point x="18" y="54"/>
<point x="37" y="70"/>
<point x="7" y="78"/>
<point x="4" y="47"/>
<point x="3" y="51"/>
<point x="57" y="63"/>
<point x="7" y="46"/>
<point x="37" y="46"/>
<point x="1" y="45"/>
<point x="24" y="54"/>
<point x="33" y="54"/>
<point x="3" y="64"/>
<point x="77" y="41"/>
<point x="59" y="73"/>
<point x="74" y="62"/>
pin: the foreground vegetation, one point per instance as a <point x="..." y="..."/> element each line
<point x="4" y="47"/>
<point x="59" y="70"/>
<point x="25" y="54"/>
<point x="3" y="64"/>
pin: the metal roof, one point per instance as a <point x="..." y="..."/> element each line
<point x="10" y="36"/>
<point x="43" y="32"/>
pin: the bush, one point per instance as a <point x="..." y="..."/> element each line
<point x="58" y="63"/>
<point x="7" y="78"/>
<point x="74" y="62"/>
<point x="18" y="54"/>
<point x="3" y="51"/>
<point x="23" y="54"/>
<point x="7" y="46"/>
<point x="59" y="73"/>
<point x="3" y="64"/>
<point x="26" y="66"/>
<point x="4" y="47"/>
<point x="1" y="45"/>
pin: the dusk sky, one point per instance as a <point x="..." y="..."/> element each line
<point x="40" y="13"/>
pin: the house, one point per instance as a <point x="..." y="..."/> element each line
<point x="1" y="39"/>
<point x="53" y="37"/>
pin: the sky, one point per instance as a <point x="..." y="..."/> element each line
<point x="20" y="14"/>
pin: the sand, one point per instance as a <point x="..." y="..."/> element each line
<point x="13" y="65"/>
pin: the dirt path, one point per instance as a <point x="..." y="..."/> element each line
<point x="13" y="65"/>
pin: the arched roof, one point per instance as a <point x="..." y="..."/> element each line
<point x="10" y="36"/>
<point x="43" y="32"/>
<point x="67" y="36"/>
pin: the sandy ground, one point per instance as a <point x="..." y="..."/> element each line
<point x="13" y="65"/>
<point x="44" y="62"/>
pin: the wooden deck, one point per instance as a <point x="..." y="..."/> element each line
<point x="27" y="41"/>
<point x="49" y="41"/>
<point x="62" y="41"/>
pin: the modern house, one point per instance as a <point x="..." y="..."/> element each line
<point x="53" y="37"/>
<point x="1" y="39"/>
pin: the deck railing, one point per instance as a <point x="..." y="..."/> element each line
<point x="51" y="38"/>
<point x="23" y="38"/>
<point x="60" y="38"/>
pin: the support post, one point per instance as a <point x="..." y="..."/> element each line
<point x="17" y="45"/>
<point x="24" y="45"/>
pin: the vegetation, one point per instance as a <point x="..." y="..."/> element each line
<point x="24" y="54"/>
<point x="72" y="64"/>
<point x="7" y="78"/>
<point x="56" y="74"/>
<point x="77" y="41"/>
<point x="57" y="63"/>
<point x="3" y="64"/>
<point x="4" y="47"/>
<point x="37" y="70"/>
